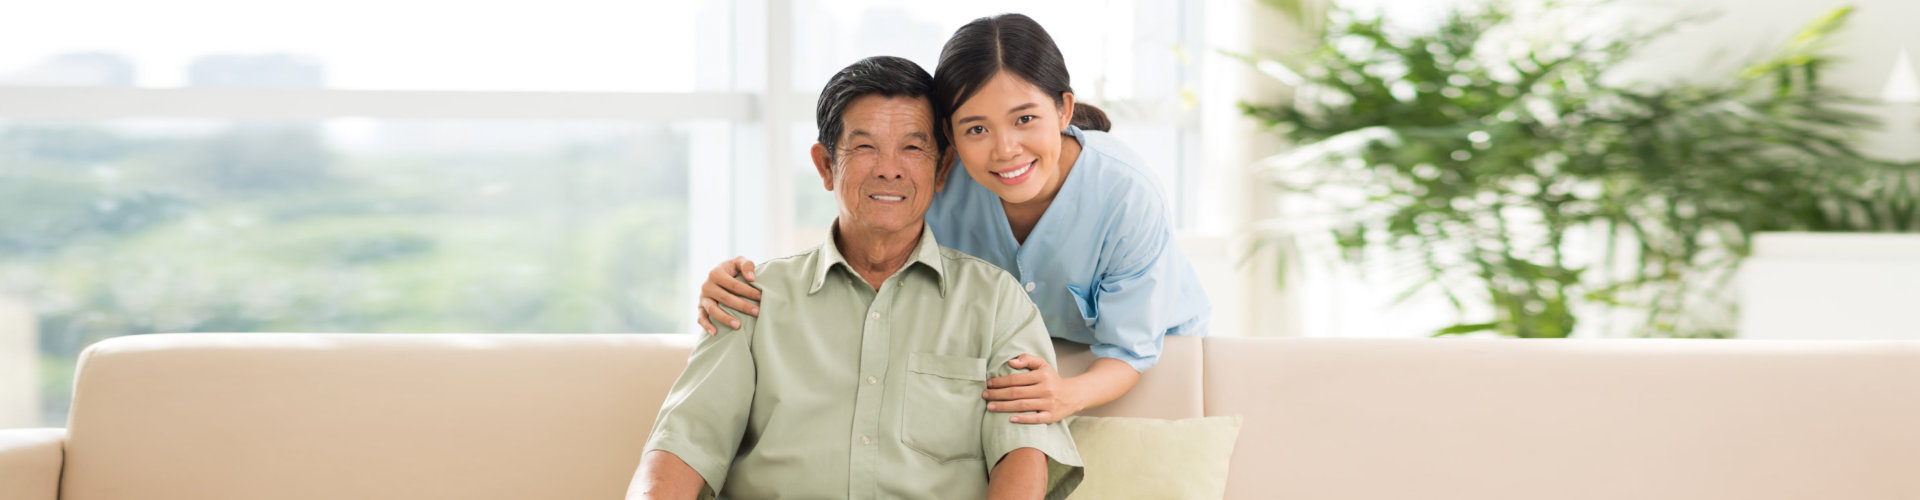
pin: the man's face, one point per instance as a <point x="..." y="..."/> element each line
<point x="884" y="174"/>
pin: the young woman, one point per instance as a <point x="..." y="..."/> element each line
<point x="1042" y="191"/>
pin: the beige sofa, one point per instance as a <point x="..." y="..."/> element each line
<point x="303" y="416"/>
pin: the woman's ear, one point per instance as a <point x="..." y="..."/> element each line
<point x="823" y="164"/>
<point x="1066" y="110"/>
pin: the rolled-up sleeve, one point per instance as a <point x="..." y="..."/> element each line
<point x="1019" y="330"/>
<point x="1138" y="287"/>
<point x="705" y="414"/>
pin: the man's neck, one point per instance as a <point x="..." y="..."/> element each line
<point x="874" y="255"/>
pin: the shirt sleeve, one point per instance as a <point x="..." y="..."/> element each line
<point x="705" y="414"/>
<point x="1139" y="285"/>
<point x="1019" y="330"/>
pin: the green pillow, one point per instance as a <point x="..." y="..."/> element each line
<point x="1153" y="458"/>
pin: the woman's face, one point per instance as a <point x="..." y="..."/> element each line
<point x="1008" y="138"/>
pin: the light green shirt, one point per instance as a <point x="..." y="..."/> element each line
<point x="839" y="391"/>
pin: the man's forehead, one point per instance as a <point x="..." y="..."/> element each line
<point x="898" y="115"/>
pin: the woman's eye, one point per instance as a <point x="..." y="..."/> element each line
<point x="976" y="129"/>
<point x="1027" y="118"/>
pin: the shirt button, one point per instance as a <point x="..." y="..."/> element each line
<point x="873" y="315"/>
<point x="864" y="440"/>
<point x="872" y="380"/>
<point x="1029" y="286"/>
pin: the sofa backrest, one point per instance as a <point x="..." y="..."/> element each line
<point x="1171" y="389"/>
<point x="313" y="416"/>
<point x="1568" y="419"/>
<point x="327" y="416"/>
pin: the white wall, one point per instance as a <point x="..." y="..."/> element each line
<point x="1878" y="35"/>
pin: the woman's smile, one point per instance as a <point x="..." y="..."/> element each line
<point x="1017" y="174"/>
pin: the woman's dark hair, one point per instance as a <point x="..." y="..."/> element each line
<point x="1007" y="42"/>
<point x="885" y="76"/>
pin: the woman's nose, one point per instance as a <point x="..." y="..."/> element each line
<point x="1008" y="144"/>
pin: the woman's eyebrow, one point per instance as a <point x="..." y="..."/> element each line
<point x="1016" y="109"/>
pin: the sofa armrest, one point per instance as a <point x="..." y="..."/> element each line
<point x="30" y="462"/>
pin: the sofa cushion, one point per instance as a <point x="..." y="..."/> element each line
<point x="1152" y="458"/>
<point x="1601" y="419"/>
<point x="327" y="416"/>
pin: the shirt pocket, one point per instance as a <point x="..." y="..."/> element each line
<point x="941" y="417"/>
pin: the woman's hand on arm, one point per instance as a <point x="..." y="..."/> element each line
<point x="1043" y="391"/>
<point x="724" y="286"/>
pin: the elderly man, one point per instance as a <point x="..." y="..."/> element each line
<point x="862" y="376"/>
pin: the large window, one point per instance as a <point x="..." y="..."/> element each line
<point x="363" y="166"/>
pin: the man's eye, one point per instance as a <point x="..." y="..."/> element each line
<point x="1027" y="118"/>
<point x="976" y="129"/>
<point x="864" y="146"/>
<point x="915" y="148"/>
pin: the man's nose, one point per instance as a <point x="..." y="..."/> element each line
<point x="892" y="166"/>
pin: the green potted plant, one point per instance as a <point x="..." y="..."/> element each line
<point x="1478" y="158"/>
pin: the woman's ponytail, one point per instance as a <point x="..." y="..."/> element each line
<point x="1088" y="117"/>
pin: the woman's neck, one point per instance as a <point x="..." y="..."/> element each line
<point x="1023" y="216"/>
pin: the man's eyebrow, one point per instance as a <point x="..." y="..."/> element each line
<point x="1016" y="109"/>
<point x="858" y="133"/>
<point x="922" y="136"/>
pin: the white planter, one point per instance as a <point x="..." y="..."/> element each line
<point x="1831" y="286"/>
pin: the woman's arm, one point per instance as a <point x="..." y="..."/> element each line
<point x="725" y="287"/>
<point x="1041" y="389"/>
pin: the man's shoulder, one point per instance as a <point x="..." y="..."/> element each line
<point x="791" y="270"/>
<point x="964" y="268"/>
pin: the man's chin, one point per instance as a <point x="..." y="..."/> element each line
<point x="885" y="223"/>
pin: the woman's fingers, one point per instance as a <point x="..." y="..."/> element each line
<point x="723" y="282"/>
<point x="1028" y="362"/>
<point x="1017" y="379"/>
<point x="718" y="315"/>
<point x="711" y="292"/>
<point x="733" y="299"/>
<point x="746" y="268"/>
<point x="1018" y="393"/>
<point x="1020" y="405"/>
<point x="701" y="312"/>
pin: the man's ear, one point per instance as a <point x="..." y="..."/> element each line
<point x="945" y="168"/>
<point x="1066" y="111"/>
<point x="824" y="165"/>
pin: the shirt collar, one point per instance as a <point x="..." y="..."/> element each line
<point x="926" y="254"/>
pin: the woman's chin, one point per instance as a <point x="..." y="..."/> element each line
<point x="1015" y="195"/>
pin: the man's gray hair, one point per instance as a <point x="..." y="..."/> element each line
<point x="885" y="76"/>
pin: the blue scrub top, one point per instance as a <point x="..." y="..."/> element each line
<point x="1102" y="263"/>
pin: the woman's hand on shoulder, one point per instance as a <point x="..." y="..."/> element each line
<point x="725" y="286"/>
